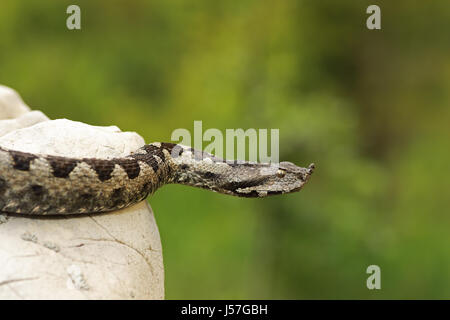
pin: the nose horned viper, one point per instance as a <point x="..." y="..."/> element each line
<point x="46" y="184"/>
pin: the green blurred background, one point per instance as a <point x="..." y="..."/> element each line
<point x="370" y="108"/>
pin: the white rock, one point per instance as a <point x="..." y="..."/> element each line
<point x="116" y="255"/>
<point x="11" y="104"/>
<point x="64" y="137"/>
<point x="25" y="120"/>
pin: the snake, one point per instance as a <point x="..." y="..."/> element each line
<point x="39" y="184"/>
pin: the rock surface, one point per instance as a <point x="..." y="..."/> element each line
<point x="11" y="104"/>
<point x="116" y="255"/>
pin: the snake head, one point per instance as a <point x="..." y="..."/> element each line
<point x="285" y="177"/>
<point x="291" y="178"/>
<point x="238" y="178"/>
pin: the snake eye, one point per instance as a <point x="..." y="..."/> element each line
<point x="281" y="173"/>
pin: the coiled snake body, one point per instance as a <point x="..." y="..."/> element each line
<point x="45" y="184"/>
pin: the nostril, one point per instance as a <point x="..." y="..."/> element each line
<point x="311" y="168"/>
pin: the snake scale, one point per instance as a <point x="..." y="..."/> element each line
<point x="46" y="184"/>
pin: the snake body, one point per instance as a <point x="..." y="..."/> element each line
<point x="46" y="184"/>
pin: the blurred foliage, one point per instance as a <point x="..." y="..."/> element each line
<point x="370" y="108"/>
